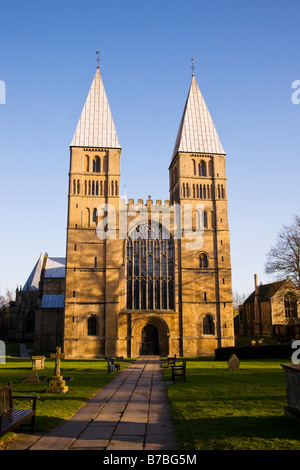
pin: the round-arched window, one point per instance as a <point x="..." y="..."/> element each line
<point x="208" y="325"/>
<point x="92" y="326"/>
<point x="203" y="261"/>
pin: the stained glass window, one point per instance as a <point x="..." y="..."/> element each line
<point x="150" y="268"/>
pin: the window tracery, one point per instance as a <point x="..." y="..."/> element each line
<point x="150" y="268"/>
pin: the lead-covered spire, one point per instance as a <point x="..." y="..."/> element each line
<point x="96" y="126"/>
<point x="197" y="132"/>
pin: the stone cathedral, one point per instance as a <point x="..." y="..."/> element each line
<point x="144" y="277"/>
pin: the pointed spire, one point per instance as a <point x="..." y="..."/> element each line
<point x="197" y="132"/>
<point x="96" y="126"/>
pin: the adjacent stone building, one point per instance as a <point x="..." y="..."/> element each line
<point x="271" y="310"/>
<point x="37" y="314"/>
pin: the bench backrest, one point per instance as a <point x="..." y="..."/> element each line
<point x="6" y="403"/>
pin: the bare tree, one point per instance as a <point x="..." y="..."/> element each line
<point x="284" y="258"/>
<point x="4" y="312"/>
<point x="238" y="299"/>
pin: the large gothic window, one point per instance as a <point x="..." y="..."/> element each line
<point x="150" y="268"/>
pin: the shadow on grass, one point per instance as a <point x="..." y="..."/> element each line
<point x="222" y="430"/>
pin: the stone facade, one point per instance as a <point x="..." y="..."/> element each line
<point x="126" y="297"/>
<point x="140" y="277"/>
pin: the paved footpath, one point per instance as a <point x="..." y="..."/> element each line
<point x="129" y="413"/>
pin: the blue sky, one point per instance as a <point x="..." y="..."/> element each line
<point x="246" y="55"/>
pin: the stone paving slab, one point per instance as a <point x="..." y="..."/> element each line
<point x="129" y="413"/>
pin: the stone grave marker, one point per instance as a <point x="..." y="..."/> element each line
<point x="57" y="384"/>
<point x="233" y="363"/>
<point x="38" y="362"/>
<point x="32" y="377"/>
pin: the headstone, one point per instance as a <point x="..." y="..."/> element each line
<point x="57" y="384"/>
<point x="38" y="362"/>
<point x="32" y="377"/>
<point x="110" y="365"/>
<point x="292" y="381"/>
<point x="2" y="352"/>
<point x="233" y="363"/>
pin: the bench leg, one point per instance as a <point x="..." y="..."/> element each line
<point x="33" y="423"/>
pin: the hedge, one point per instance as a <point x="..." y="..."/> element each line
<point x="280" y="351"/>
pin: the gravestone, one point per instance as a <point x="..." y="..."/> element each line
<point x="57" y="384"/>
<point x="32" y="377"/>
<point x="292" y="381"/>
<point x="233" y="363"/>
<point x="2" y="352"/>
<point x="38" y="362"/>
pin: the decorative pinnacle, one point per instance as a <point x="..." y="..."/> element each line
<point x="193" y="67"/>
<point x="98" y="58"/>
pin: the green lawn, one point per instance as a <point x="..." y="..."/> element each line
<point x="84" y="379"/>
<point x="218" y="409"/>
<point x="215" y="409"/>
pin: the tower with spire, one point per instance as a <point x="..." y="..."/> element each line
<point x="92" y="263"/>
<point x="198" y="177"/>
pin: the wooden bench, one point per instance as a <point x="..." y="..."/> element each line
<point x="11" y="417"/>
<point x="178" y="371"/>
<point x="171" y="360"/>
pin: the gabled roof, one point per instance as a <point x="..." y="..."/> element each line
<point x="33" y="280"/>
<point x="96" y="126"/>
<point x="54" y="267"/>
<point x="266" y="291"/>
<point x="197" y="132"/>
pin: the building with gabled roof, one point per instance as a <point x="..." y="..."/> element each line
<point x="37" y="312"/>
<point x="270" y="310"/>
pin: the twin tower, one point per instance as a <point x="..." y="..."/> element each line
<point x="146" y="278"/>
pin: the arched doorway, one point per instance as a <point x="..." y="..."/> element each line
<point x="149" y="344"/>
<point x="143" y="330"/>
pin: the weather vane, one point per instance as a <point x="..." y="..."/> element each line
<point x="193" y="67"/>
<point x="98" y="58"/>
